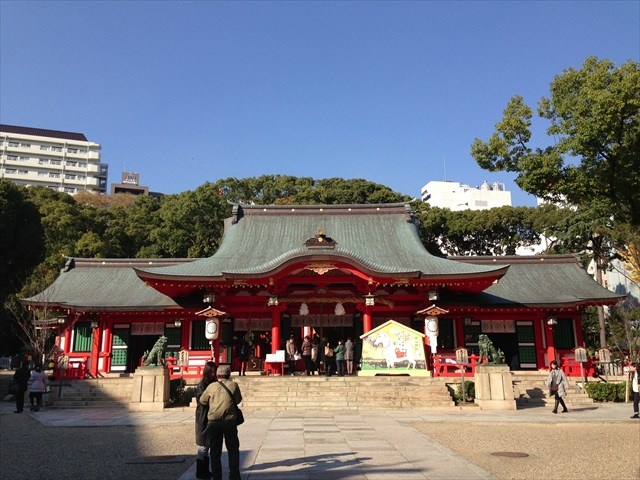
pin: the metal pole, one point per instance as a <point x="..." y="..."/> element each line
<point x="462" y="369"/>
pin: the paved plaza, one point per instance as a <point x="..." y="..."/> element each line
<point x="314" y="445"/>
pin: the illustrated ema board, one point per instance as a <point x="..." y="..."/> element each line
<point x="393" y="349"/>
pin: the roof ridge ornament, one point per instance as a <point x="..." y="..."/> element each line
<point x="320" y="241"/>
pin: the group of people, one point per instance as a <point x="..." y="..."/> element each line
<point x="35" y="381"/>
<point x="320" y="357"/>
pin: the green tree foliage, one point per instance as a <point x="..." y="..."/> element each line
<point x="497" y="231"/>
<point x="594" y="117"/>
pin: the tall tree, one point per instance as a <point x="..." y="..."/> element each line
<point x="594" y="120"/>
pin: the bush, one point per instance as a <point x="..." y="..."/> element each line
<point x="606" y="392"/>
<point x="469" y="392"/>
<point x="179" y="393"/>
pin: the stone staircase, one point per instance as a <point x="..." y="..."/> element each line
<point x="343" y="393"/>
<point x="530" y="390"/>
<point x="108" y="392"/>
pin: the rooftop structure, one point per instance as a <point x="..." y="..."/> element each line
<point x="459" y="196"/>
<point x="63" y="161"/>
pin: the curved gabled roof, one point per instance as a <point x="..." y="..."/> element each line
<point x="381" y="239"/>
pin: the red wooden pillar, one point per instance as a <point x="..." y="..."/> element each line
<point x="95" y="349"/>
<point x="577" y="327"/>
<point x="551" y="348"/>
<point x="539" y="327"/>
<point x="108" y="341"/>
<point x="367" y="320"/>
<point x="67" y="339"/>
<point x="275" y="330"/>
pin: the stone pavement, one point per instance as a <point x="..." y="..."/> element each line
<point x="341" y="445"/>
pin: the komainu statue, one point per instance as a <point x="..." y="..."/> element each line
<point x="155" y="356"/>
<point x="493" y="355"/>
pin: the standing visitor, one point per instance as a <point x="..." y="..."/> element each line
<point x="315" y="345"/>
<point x="306" y="354"/>
<point x="339" y="352"/>
<point x="292" y="351"/>
<point x="222" y="416"/>
<point x="21" y="379"/>
<point x="327" y="359"/>
<point x="202" y="456"/>
<point x="244" y="356"/>
<point x="558" y="385"/>
<point x="37" y="387"/>
<point x="633" y="373"/>
<point x="349" y="355"/>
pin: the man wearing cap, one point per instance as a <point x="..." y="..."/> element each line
<point x="222" y="422"/>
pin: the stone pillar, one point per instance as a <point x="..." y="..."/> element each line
<point x="494" y="388"/>
<point x="150" y="391"/>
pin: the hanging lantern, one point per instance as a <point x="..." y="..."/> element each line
<point x="339" y="310"/>
<point x="212" y="328"/>
<point x="304" y="309"/>
<point x="431" y="326"/>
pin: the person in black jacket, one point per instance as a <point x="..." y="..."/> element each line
<point x="202" y="439"/>
<point x="21" y="378"/>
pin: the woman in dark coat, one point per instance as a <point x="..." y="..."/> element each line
<point x="202" y="458"/>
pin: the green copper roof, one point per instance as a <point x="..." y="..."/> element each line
<point x="539" y="281"/>
<point x="104" y="284"/>
<point x="380" y="239"/>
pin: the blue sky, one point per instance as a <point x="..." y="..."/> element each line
<point x="393" y="92"/>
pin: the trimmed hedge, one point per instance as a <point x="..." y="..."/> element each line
<point x="606" y="392"/>
<point x="469" y="392"/>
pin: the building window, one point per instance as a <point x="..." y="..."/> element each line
<point x="11" y="170"/>
<point x="43" y="174"/>
<point x="69" y="190"/>
<point x="23" y="172"/>
<point x="82" y="337"/>
<point x="44" y="147"/>
<point x="72" y="164"/>
<point x="563" y="335"/>
<point x="24" y="159"/>
<point x="81" y="177"/>
<point x="43" y="161"/>
<point x="56" y="149"/>
<point x="70" y="176"/>
<point x="471" y="334"/>
<point x="53" y="161"/>
<point x="12" y="158"/>
<point x="14" y="144"/>
<point x="72" y="150"/>
<point x="82" y="165"/>
<point x="198" y="339"/>
<point x="54" y="175"/>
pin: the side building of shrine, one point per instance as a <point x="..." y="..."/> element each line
<point x="338" y="271"/>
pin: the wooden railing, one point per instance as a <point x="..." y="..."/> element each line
<point x="445" y="365"/>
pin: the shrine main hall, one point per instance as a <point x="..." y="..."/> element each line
<point x="338" y="271"/>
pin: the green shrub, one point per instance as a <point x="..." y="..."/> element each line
<point x="606" y="392"/>
<point x="469" y="392"/>
<point x="179" y="393"/>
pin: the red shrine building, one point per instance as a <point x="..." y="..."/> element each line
<point x="338" y="271"/>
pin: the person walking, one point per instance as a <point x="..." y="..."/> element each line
<point x="37" y="387"/>
<point x="349" y="356"/>
<point x="315" y="360"/>
<point x="339" y="352"/>
<point x="222" y="417"/>
<point x="292" y="351"/>
<point x="558" y="385"/>
<point x="306" y="354"/>
<point x="21" y="379"/>
<point x="202" y="441"/>
<point x="633" y="374"/>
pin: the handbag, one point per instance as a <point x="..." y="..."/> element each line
<point x="239" y="414"/>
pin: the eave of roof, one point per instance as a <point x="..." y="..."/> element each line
<point x="42" y="132"/>
<point x="544" y="281"/>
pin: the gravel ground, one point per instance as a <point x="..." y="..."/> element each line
<point x="30" y="451"/>
<point x="567" y="451"/>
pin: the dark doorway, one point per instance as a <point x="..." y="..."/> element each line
<point x="137" y="346"/>
<point x="508" y="343"/>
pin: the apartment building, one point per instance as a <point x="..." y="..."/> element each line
<point x="459" y="196"/>
<point x="64" y="161"/>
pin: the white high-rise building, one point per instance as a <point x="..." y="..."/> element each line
<point x="64" y="161"/>
<point x="458" y="196"/>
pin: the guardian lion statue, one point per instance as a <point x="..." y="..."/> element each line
<point x="488" y="352"/>
<point x="155" y="356"/>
